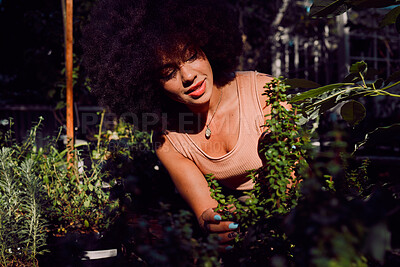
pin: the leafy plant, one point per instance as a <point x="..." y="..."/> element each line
<point x="276" y="188"/>
<point x="334" y="223"/>
<point x="38" y="183"/>
<point x="343" y="208"/>
<point x="161" y="231"/>
<point x="22" y="223"/>
<point x="316" y="101"/>
<point x="326" y="220"/>
<point x="79" y="198"/>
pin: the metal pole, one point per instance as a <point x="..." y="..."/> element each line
<point x="69" y="81"/>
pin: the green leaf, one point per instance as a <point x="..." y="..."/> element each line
<point x="86" y="203"/>
<point x="352" y="78"/>
<point x="46" y="179"/>
<point x="60" y="105"/>
<point x="394" y="77"/>
<point x="96" y="154"/>
<point x="327" y="104"/>
<point x="353" y="112"/>
<point x="328" y="8"/>
<point x="358" y="67"/>
<point x="86" y="223"/>
<point x="317" y="91"/>
<point x="390" y="17"/>
<point x="378" y="241"/>
<point x="301" y="83"/>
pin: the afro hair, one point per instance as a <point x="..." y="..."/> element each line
<point x="122" y="40"/>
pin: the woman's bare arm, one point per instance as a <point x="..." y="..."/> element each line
<point x="193" y="187"/>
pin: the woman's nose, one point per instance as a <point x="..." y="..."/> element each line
<point x="187" y="75"/>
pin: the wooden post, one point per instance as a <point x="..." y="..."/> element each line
<point x="69" y="81"/>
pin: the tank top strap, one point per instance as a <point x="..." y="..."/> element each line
<point x="251" y="111"/>
<point x="180" y="143"/>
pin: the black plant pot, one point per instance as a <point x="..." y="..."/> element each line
<point x="81" y="250"/>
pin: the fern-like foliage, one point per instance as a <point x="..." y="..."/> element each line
<point x="22" y="224"/>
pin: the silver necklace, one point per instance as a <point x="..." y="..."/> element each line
<point x="208" y="130"/>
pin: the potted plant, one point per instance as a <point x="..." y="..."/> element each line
<point x="45" y="199"/>
<point x="22" y="222"/>
<point x="81" y="206"/>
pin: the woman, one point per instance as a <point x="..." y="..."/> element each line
<point x="173" y="62"/>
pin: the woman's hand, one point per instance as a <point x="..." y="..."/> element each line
<point x="211" y="222"/>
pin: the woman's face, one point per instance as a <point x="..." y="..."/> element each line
<point x="188" y="80"/>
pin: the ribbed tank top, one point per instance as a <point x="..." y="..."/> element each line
<point x="231" y="169"/>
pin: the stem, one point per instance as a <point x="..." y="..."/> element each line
<point x="390" y="86"/>
<point x="363" y="80"/>
<point x="59" y="134"/>
<point x="100" y="128"/>
<point x="31" y="139"/>
<point x="381" y="92"/>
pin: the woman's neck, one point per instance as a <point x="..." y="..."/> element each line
<point x="210" y="107"/>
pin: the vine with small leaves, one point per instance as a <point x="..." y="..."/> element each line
<point x="276" y="183"/>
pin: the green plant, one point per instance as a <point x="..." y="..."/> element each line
<point x="333" y="224"/>
<point x="328" y="219"/>
<point x="276" y="188"/>
<point x="316" y="101"/>
<point x="79" y="198"/>
<point x="23" y="225"/>
<point x="76" y="196"/>
<point x="162" y="231"/>
<point x="342" y="216"/>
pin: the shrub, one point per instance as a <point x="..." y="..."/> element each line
<point x="276" y="189"/>
<point x="22" y="223"/>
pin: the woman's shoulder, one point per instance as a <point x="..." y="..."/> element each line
<point x="259" y="76"/>
<point x="162" y="143"/>
<point x="166" y="140"/>
<point x="260" y="79"/>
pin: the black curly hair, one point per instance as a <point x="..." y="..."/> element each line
<point x="123" y="40"/>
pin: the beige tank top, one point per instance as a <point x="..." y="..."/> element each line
<point x="231" y="169"/>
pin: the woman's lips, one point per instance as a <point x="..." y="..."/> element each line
<point x="198" y="90"/>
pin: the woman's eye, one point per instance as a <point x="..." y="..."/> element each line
<point x="168" y="74"/>
<point x="192" y="57"/>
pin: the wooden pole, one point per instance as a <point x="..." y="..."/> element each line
<point x="69" y="81"/>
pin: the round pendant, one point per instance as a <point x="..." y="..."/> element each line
<point x="208" y="132"/>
